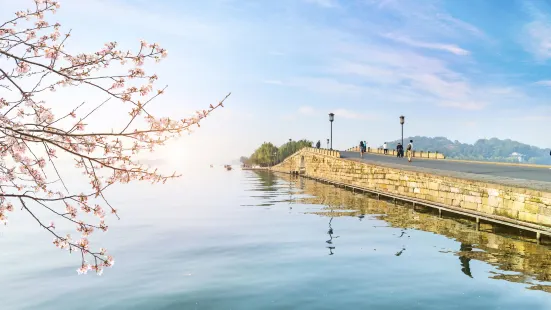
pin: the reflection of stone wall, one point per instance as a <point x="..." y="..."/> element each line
<point x="516" y="203"/>
<point x="506" y="253"/>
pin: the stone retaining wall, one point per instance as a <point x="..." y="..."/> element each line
<point x="417" y="154"/>
<point x="493" y="199"/>
<point x="327" y="152"/>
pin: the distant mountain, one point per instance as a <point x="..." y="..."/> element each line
<point x="484" y="149"/>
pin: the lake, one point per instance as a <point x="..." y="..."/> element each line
<point x="254" y="240"/>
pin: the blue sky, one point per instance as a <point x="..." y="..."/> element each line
<point x="461" y="69"/>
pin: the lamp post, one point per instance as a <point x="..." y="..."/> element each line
<point x="292" y="150"/>
<point x="331" y="119"/>
<point x="402" y="123"/>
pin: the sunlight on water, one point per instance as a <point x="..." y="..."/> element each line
<point x="255" y="240"/>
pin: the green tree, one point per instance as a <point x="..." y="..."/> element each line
<point x="245" y="160"/>
<point x="265" y="155"/>
<point x="291" y="147"/>
<point x="268" y="154"/>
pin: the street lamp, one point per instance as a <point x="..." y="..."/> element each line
<point x="331" y="119"/>
<point x="402" y="123"/>
<point x="290" y="144"/>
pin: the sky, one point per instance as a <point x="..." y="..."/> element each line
<point x="460" y="69"/>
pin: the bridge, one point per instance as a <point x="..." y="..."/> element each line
<point x="517" y="195"/>
<point x="517" y="171"/>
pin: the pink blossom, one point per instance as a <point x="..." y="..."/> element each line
<point x="71" y="210"/>
<point x="3" y="218"/>
<point x="84" y="269"/>
<point x="98" y="211"/>
<point x="109" y="262"/>
<point x="104" y="157"/>
<point x="23" y="67"/>
<point x="84" y="243"/>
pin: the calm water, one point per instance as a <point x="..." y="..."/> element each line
<point x="249" y="240"/>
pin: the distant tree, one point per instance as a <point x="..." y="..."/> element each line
<point x="264" y="155"/>
<point x="484" y="149"/>
<point x="292" y="147"/>
<point x="244" y="160"/>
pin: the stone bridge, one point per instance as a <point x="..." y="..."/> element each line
<point x="511" y="194"/>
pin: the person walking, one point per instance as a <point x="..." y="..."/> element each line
<point x="410" y="150"/>
<point x="362" y="148"/>
<point x="318" y="144"/>
<point x="385" y="148"/>
<point x="399" y="150"/>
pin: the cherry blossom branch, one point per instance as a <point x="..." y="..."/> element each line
<point x="31" y="136"/>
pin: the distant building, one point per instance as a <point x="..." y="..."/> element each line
<point x="519" y="156"/>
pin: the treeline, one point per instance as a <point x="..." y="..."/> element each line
<point x="484" y="149"/>
<point x="268" y="154"/>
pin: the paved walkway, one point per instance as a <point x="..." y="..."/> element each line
<point x="528" y="177"/>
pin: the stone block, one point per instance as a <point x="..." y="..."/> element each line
<point x="455" y="190"/>
<point x="469" y="205"/>
<point x="494" y="201"/>
<point x="507" y="213"/>
<point x="486" y="209"/>
<point x="528" y="207"/>
<point x="444" y="188"/>
<point x="544" y="210"/>
<point x="492" y="192"/>
<point x="433" y="186"/>
<point x="528" y="217"/>
<point x="544" y="220"/>
<point x="473" y="199"/>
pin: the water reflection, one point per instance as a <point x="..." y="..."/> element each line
<point x="509" y="251"/>
<point x="330" y="232"/>
<point x="465" y="261"/>
<point x="269" y="187"/>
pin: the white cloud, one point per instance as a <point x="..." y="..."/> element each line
<point x="544" y="83"/>
<point x="324" y="3"/>
<point x="428" y="19"/>
<point x="325" y="85"/>
<point x="538" y="39"/>
<point x="339" y="113"/>
<point x="460" y="24"/>
<point x="274" y="82"/>
<point x="397" y="74"/>
<point x="464" y="105"/>
<point x="306" y="110"/>
<point x="454" y="49"/>
<point x="537" y="33"/>
<point x="347" y="114"/>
